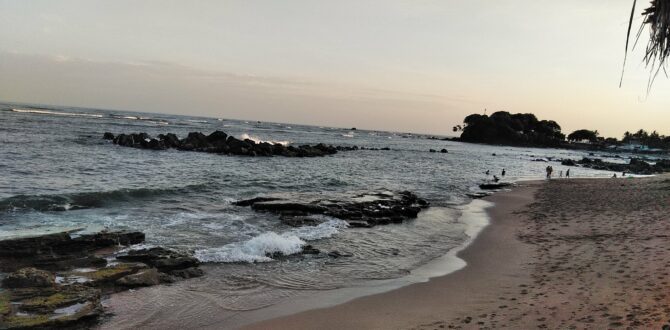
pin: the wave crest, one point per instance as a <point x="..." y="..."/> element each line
<point x="262" y="247"/>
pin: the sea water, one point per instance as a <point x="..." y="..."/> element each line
<point x="57" y="173"/>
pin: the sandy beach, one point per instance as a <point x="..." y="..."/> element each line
<point x="583" y="253"/>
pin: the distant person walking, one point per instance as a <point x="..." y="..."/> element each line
<point x="503" y="173"/>
<point x="567" y="173"/>
<point x="549" y="170"/>
<point x="560" y="174"/>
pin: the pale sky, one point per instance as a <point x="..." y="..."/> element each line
<point x="415" y="66"/>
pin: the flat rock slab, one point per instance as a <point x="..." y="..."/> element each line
<point x="359" y="209"/>
<point x="494" y="186"/>
<point x="56" y="280"/>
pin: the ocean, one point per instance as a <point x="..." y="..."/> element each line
<point x="58" y="173"/>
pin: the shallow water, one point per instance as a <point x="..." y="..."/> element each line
<point x="59" y="174"/>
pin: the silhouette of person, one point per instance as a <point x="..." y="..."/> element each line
<point x="503" y="172"/>
<point x="488" y="172"/>
<point x="495" y="178"/>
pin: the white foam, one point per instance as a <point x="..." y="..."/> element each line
<point x="257" y="140"/>
<point x="349" y="135"/>
<point x="57" y="113"/>
<point x="258" y="248"/>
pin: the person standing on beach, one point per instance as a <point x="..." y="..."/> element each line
<point x="560" y="174"/>
<point x="548" y="172"/>
<point x="503" y="173"/>
<point x="567" y="173"/>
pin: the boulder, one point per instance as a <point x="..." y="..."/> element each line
<point x="568" y="162"/>
<point x="444" y="151"/>
<point x="358" y="209"/>
<point x="108" y="136"/>
<point x="29" y="277"/>
<point x="142" y="278"/>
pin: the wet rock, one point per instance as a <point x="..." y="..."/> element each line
<point x="222" y="143"/>
<point x="63" y="244"/>
<point x="249" y="202"/>
<point x="28" y="277"/>
<point x="42" y="308"/>
<point x="142" y="278"/>
<point x="308" y="249"/>
<point x="187" y="273"/>
<point x="493" y="186"/>
<point x="568" y="162"/>
<point x="338" y="254"/>
<point x="477" y="195"/>
<point x="161" y="258"/>
<point x="365" y="209"/>
<point x="38" y="298"/>
<point x="108" y="275"/>
<point x="635" y="166"/>
<point x="108" y="136"/>
<point x="444" y="151"/>
<point x="299" y="221"/>
<point x="432" y="150"/>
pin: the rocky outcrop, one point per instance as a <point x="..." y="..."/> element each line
<point x="494" y="186"/>
<point x="221" y="143"/>
<point x="56" y="280"/>
<point x="635" y="166"/>
<point x="358" y="209"/>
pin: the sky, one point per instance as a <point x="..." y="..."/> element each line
<point x="411" y="66"/>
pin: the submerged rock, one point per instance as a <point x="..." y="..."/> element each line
<point x="146" y="277"/>
<point x="493" y="186"/>
<point x="358" y="209"/>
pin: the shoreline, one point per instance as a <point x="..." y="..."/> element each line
<point x="573" y="253"/>
<point x="452" y="289"/>
<point x="473" y="215"/>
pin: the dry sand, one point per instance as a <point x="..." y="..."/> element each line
<point x="591" y="253"/>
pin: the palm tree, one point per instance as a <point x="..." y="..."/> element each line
<point x="657" y="21"/>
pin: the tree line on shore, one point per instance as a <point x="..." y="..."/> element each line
<point x="524" y="129"/>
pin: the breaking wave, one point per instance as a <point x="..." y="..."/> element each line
<point x="86" y="200"/>
<point x="57" y="113"/>
<point x="262" y="247"/>
<point x="257" y="140"/>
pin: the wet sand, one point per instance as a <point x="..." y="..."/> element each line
<point x="586" y="253"/>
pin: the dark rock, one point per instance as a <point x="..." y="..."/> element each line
<point x="338" y="254"/>
<point x="187" y="273"/>
<point x="29" y="277"/>
<point x="358" y="209"/>
<point x="249" y="202"/>
<point x="161" y="258"/>
<point x="568" y="162"/>
<point x="220" y="142"/>
<point x="60" y="251"/>
<point x="432" y="150"/>
<point x="493" y="186"/>
<point x="142" y="278"/>
<point x="108" y="136"/>
<point x="444" y="151"/>
<point x="308" y="249"/>
<point x="477" y="195"/>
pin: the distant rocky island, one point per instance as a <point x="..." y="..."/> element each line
<point x="526" y="130"/>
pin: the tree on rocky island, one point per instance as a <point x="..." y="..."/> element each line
<point x="583" y="135"/>
<point x="511" y="129"/>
